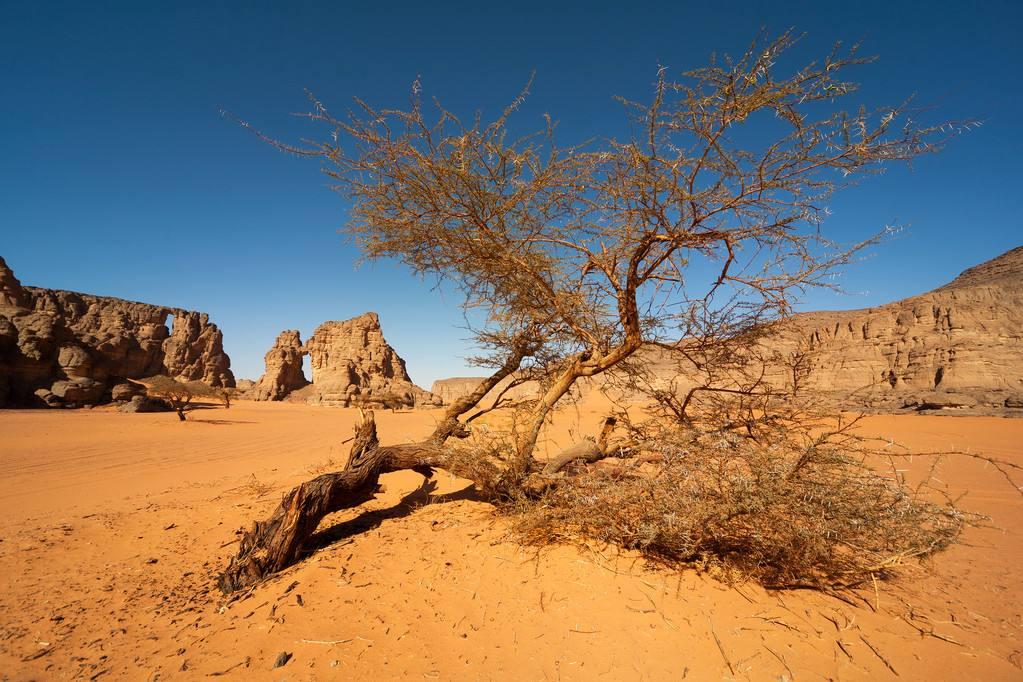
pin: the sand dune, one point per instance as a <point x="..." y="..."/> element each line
<point x="114" y="525"/>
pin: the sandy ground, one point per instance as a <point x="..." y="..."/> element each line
<point x="113" y="526"/>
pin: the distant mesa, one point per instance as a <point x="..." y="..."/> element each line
<point x="450" y="390"/>
<point x="352" y="364"/>
<point x="67" y="349"/>
<point x="244" y="384"/>
<point x="959" y="347"/>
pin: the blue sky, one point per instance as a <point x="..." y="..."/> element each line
<point x="119" y="177"/>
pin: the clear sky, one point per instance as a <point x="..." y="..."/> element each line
<point x="119" y="177"/>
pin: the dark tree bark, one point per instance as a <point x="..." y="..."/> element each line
<point x="277" y="542"/>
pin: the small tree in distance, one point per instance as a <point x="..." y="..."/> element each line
<point x="225" y="394"/>
<point x="178" y="393"/>
<point x="693" y="234"/>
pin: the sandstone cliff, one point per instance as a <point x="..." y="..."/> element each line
<point x="66" y="348"/>
<point x="959" y="346"/>
<point x="454" y="388"/>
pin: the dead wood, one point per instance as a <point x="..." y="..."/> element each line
<point x="585" y="451"/>
<point x="590" y="451"/>
<point x="278" y="542"/>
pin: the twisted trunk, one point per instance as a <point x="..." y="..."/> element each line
<point x="277" y="542"/>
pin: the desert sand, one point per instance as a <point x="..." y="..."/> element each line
<point x="113" y="527"/>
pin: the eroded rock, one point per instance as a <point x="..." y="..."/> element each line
<point x="283" y="369"/>
<point x="142" y="403"/>
<point x="79" y="346"/>
<point x="352" y="363"/>
<point x="960" y="343"/>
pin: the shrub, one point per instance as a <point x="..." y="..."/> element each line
<point x="793" y="506"/>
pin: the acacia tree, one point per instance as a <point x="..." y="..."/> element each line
<point x="579" y="256"/>
<point x="181" y="394"/>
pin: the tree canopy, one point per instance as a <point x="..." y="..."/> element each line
<point x="588" y="250"/>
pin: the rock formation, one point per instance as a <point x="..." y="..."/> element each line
<point x="351" y="362"/>
<point x="283" y="369"/>
<point x="66" y="348"/>
<point x="11" y="293"/>
<point x="957" y="347"/>
<point x="195" y="350"/>
<point x="960" y="345"/>
<point x="454" y="388"/>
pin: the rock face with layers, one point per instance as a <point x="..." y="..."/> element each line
<point x="960" y="345"/>
<point x="195" y="350"/>
<point x="957" y="347"/>
<point x="454" y="388"/>
<point x="283" y="369"/>
<point x="67" y="348"/>
<point x="352" y="364"/>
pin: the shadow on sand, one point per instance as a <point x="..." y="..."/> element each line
<point x="369" y="520"/>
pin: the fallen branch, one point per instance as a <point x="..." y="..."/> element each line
<point x="272" y="545"/>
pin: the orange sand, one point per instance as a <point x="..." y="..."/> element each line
<point x="113" y="526"/>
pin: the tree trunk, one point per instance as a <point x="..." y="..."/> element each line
<point x="526" y="442"/>
<point x="586" y="451"/>
<point x="584" y="364"/>
<point x="276" y="543"/>
<point x="449" y="425"/>
<point x="272" y="545"/>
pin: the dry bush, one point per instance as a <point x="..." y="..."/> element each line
<point x="752" y="482"/>
<point x="780" y="512"/>
<point x="255" y="487"/>
<point x="389" y="401"/>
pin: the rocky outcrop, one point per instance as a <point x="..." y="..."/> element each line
<point x="195" y="350"/>
<point x="352" y="364"/>
<point x="67" y="348"/>
<point x="283" y="369"/>
<point x="11" y="293"/>
<point x="143" y="403"/>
